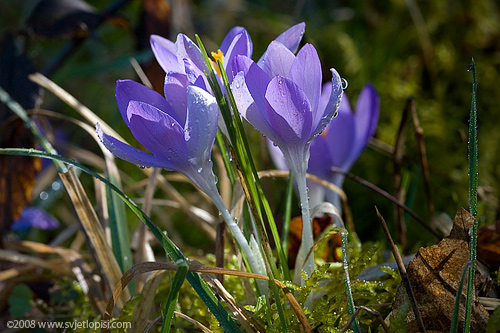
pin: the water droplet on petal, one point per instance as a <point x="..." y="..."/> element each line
<point x="344" y="84"/>
<point x="335" y="114"/>
<point x="200" y="170"/>
<point x="142" y="167"/>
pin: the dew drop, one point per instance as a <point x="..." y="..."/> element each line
<point x="344" y="84"/>
<point x="470" y="67"/>
<point x="44" y="195"/>
<point x="335" y="114"/>
<point x="200" y="170"/>
<point x="56" y="186"/>
<point x="142" y="167"/>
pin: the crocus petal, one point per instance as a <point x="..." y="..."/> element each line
<point x="131" y="154"/>
<point x="230" y="37"/>
<point x="256" y="81"/>
<point x="165" y="53"/>
<point x="319" y="159"/>
<point x="175" y="94"/>
<point x="277" y="60"/>
<point x="201" y="124"/>
<point x="290" y="112"/>
<point x="365" y="120"/>
<point x="242" y="96"/>
<point x="187" y="49"/>
<point x="292" y="37"/>
<point x="367" y="113"/>
<point x="157" y="131"/>
<point x="277" y="156"/>
<point x="306" y="72"/>
<point x="241" y="45"/>
<point x="127" y="90"/>
<point x="339" y="137"/>
<point x="320" y="121"/>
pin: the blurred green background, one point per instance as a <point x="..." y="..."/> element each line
<point x="403" y="47"/>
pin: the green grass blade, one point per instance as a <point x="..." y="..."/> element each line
<point x="225" y="157"/>
<point x="456" y="310"/>
<point x="288" y="212"/>
<point x="347" y="282"/>
<point x="118" y="226"/>
<point x="173" y="252"/>
<point x="473" y="183"/>
<point x="173" y="295"/>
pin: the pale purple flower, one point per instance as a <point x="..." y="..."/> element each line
<point x="280" y="97"/>
<point x="35" y="218"/>
<point x="179" y="131"/>
<point x="340" y="144"/>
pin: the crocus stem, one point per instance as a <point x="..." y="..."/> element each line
<point x="205" y="180"/>
<point x="237" y="234"/>
<point x="307" y="236"/>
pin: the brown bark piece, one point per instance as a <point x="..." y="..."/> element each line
<point x="435" y="275"/>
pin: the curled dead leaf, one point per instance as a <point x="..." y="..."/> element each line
<point x="435" y="275"/>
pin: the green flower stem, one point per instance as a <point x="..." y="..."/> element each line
<point x="307" y="235"/>
<point x="473" y="183"/>
<point x="205" y="180"/>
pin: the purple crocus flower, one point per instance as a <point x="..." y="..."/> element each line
<point x="179" y="134"/>
<point x="280" y="97"/>
<point x="340" y="144"/>
<point x="35" y="218"/>
<point x="179" y="130"/>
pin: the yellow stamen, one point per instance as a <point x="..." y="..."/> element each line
<point x="217" y="56"/>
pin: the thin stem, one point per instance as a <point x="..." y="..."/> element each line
<point x="307" y="235"/>
<point x="473" y="183"/>
<point x="347" y="282"/>
<point x="205" y="180"/>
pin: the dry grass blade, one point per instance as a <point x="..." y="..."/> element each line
<point x="146" y="302"/>
<point x="243" y="316"/>
<point x="374" y="313"/>
<point x="81" y="270"/>
<point x="55" y="265"/>
<point x="402" y="271"/>
<point x="199" y="268"/>
<point x="93" y="229"/>
<point x="202" y="327"/>
<point x="419" y="135"/>
<point x="90" y="116"/>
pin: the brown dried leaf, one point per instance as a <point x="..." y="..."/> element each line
<point x="435" y="275"/>
<point x="17" y="173"/>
